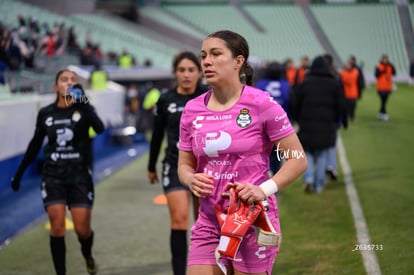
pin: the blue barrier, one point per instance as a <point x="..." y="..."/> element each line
<point x="20" y="210"/>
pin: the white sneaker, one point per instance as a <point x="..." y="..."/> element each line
<point x="383" y="117"/>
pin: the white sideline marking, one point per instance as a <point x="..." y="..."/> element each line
<point x="369" y="257"/>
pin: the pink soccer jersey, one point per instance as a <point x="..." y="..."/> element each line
<point x="235" y="144"/>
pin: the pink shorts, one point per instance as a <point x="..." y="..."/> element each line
<point x="251" y="257"/>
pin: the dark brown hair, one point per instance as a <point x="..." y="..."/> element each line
<point x="186" y="55"/>
<point x="238" y="46"/>
<point x="57" y="78"/>
<point x="61" y="72"/>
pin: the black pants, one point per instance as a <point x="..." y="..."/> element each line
<point x="350" y="108"/>
<point x="384" y="95"/>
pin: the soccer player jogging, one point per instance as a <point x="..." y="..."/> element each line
<point x="67" y="168"/>
<point x="226" y="136"/>
<point x="167" y="114"/>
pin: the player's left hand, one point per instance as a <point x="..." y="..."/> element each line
<point x="249" y="193"/>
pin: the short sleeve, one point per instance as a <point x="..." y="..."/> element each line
<point x="185" y="141"/>
<point x="276" y="122"/>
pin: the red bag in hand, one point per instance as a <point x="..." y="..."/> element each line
<point x="240" y="216"/>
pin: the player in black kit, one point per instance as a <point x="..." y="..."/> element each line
<point x="67" y="168"/>
<point x="167" y="114"/>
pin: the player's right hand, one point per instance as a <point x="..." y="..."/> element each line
<point x="15" y="183"/>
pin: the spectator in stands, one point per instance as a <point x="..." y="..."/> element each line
<point x="34" y="25"/>
<point x="226" y="136"/>
<point x="318" y="105"/>
<point x="384" y="73"/>
<point x="13" y="51"/>
<point x="97" y="51"/>
<point x="112" y="58"/>
<point x="126" y="60"/>
<point x="50" y="44"/>
<point x="67" y="170"/>
<point x="167" y="114"/>
<point x="72" y="41"/>
<point x="21" y="20"/>
<point x="361" y="77"/>
<point x="31" y="41"/>
<point x="274" y="83"/>
<point x="3" y="69"/>
<point x="87" y="56"/>
<point x="98" y="78"/>
<point x="4" y="60"/>
<point x="350" y="82"/>
<point x="148" y="62"/>
<point x="60" y="36"/>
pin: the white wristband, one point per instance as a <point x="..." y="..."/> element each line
<point x="269" y="187"/>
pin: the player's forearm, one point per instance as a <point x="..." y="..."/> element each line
<point x="32" y="150"/>
<point x="290" y="171"/>
<point x="155" y="147"/>
<point x="185" y="173"/>
<point x="96" y="123"/>
<point x="186" y="167"/>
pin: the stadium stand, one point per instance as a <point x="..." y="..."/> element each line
<point x="366" y="31"/>
<point x="110" y="37"/>
<point x="406" y="28"/>
<point x="279" y="39"/>
<point x="411" y="8"/>
<point x="287" y="33"/>
<point x="163" y="16"/>
<point x="210" y="17"/>
<point x="118" y="36"/>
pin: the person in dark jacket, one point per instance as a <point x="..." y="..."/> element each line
<point x="318" y="105"/>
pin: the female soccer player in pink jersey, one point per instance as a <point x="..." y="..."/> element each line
<point x="226" y="135"/>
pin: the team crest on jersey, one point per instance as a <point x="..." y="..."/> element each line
<point x="76" y="116"/>
<point x="244" y="119"/>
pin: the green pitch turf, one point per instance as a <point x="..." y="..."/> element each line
<point x="319" y="234"/>
<point x="381" y="155"/>
<point x="318" y="231"/>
